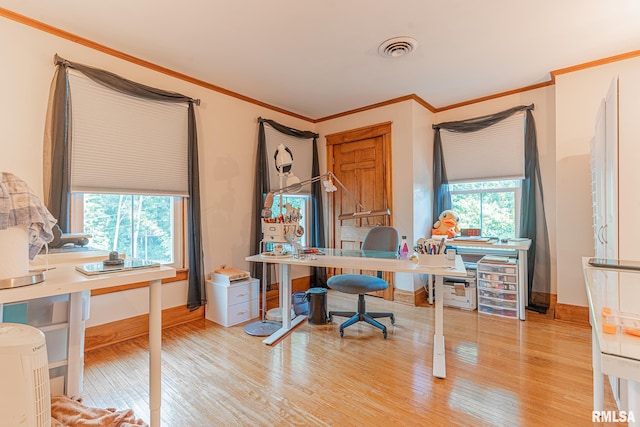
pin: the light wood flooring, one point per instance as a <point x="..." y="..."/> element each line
<point x="500" y="372"/>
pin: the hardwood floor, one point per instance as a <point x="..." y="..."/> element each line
<point x="500" y="372"/>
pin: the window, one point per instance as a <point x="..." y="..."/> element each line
<point x="491" y="206"/>
<point x="139" y="226"/>
<point x="119" y="144"/>
<point x="297" y="201"/>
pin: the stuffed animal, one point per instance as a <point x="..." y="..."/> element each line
<point x="447" y="224"/>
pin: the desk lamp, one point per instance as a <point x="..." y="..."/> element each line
<point x="328" y="180"/>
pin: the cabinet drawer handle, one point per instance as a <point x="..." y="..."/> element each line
<point x="240" y="313"/>
<point x="241" y="295"/>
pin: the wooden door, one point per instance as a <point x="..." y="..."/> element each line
<point x="361" y="160"/>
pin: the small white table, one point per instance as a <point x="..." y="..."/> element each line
<point x="64" y="279"/>
<point x="612" y="354"/>
<point x="521" y="246"/>
<point x="365" y="260"/>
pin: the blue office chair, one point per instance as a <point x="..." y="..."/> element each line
<point x="377" y="239"/>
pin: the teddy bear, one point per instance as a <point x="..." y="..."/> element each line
<point x="447" y="224"/>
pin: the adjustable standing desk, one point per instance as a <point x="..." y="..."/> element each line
<point x="64" y="279"/>
<point x="363" y="260"/>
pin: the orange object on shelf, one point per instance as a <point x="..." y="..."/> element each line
<point x="609" y="325"/>
<point x="632" y="331"/>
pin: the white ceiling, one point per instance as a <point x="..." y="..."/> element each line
<point x="319" y="58"/>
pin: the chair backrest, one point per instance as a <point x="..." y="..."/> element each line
<point x="381" y="238"/>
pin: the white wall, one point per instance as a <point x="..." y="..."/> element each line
<point x="578" y="96"/>
<point x="544" y="115"/>
<point x="227" y="138"/>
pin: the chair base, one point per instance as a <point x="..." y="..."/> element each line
<point x="362" y="316"/>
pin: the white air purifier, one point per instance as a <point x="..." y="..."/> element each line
<point x="24" y="386"/>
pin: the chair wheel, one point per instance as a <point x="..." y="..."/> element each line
<point x="341" y="333"/>
<point x="330" y="319"/>
<point x="384" y="334"/>
<point x="393" y="320"/>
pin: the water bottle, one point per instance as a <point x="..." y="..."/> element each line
<point x="404" y="248"/>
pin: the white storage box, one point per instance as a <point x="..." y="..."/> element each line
<point x="230" y="303"/>
<point x="460" y="295"/>
<point x="439" y="260"/>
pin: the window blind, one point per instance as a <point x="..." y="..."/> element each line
<point x="493" y="153"/>
<point x="121" y="144"/>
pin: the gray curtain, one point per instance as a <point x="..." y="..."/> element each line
<point x="441" y="193"/>
<point x="533" y="224"/>
<point x="59" y="189"/>
<point x="261" y="188"/>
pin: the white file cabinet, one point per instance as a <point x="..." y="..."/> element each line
<point x="230" y="303"/>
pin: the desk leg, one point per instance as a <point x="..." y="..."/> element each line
<point x="75" y="357"/>
<point x="155" y="350"/>
<point x="523" y="283"/>
<point x="598" y="377"/>
<point x="285" y="295"/>
<point x="439" y="364"/>
<point x="285" y="307"/>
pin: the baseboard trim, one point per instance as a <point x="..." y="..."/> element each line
<point x="125" y="329"/>
<point x="572" y="313"/>
<point x="402" y="296"/>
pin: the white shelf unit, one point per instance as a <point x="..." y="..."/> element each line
<point x="498" y="288"/>
<point x="615" y="177"/>
<point x="61" y="318"/>
<point x="231" y="303"/>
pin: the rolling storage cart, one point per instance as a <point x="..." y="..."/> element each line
<point x="498" y="286"/>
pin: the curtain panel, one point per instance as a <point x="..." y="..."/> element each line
<point x="533" y="224"/>
<point x="262" y="188"/>
<point x="58" y="138"/>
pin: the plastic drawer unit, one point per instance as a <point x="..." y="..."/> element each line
<point x="498" y="287"/>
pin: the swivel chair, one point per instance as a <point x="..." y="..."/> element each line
<point x="377" y="239"/>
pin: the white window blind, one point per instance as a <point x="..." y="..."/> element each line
<point x="496" y="152"/>
<point x="121" y="144"/>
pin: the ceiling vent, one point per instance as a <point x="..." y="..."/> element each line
<point x="397" y="46"/>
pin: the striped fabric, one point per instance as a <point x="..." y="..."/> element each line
<point x="19" y="206"/>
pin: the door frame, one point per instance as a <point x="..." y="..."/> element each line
<point x="373" y="131"/>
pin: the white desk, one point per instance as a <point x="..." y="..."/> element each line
<point x="64" y="279"/>
<point x="612" y="354"/>
<point x="521" y="247"/>
<point x="365" y="260"/>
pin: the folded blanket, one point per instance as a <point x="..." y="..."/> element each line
<point x="19" y="206"/>
<point x="70" y="412"/>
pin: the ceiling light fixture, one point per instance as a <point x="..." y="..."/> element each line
<point x="397" y="46"/>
